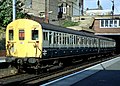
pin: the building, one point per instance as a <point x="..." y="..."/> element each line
<point x="71" y="8"/>
<point x="108" y="26"/>
<point x="45" y="9"/>
<point x="52" y="10"/>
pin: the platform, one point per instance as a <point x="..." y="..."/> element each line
<point x="103" y="74"/>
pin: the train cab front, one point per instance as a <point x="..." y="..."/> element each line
<point x="23" y="41"/>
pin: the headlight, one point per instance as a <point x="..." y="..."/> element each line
<point x="32" y="60"/>
<point x="20" y="61"/>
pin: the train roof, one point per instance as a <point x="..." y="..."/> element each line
<point x="106" y="38"/>
<point x="68" y="30"/>
<point x="63" y="29"/>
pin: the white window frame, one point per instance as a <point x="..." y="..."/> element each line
<point x="113" y="25"/>
<point x="64" y="10"/>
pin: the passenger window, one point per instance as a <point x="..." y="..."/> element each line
<point x="79" y="40"/>
<point x="68" y="39"/>
<point x="10" y="34"/>
<point x="34" y="34"/>
<point x="60" y="39"/>
<point x="54" y="41"/>
<point x="71" y="39"/>
<point x="50" y="37"/>
<point x="74" y="40"/>
<point x="85" y="41"/>
<point x="21" y="34"/>
<point x="57" y="37"/>
<point x="65" y="42"/>
<point x="63" y="39"/>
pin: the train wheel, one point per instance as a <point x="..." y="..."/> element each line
<point x="61" y="64"/>
<point x="20" y="69"/>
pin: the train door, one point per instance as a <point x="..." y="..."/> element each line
<point x="21" y="48"/>
<point x="45" y="38"/>
<point x="15" y="43"/>
<point x="34" y="43"/>
<point x="10" y="42"/>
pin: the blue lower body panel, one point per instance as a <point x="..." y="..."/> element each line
<point x="61" y="52"/>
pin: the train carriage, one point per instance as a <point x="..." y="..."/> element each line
<point x="30" y="42"/>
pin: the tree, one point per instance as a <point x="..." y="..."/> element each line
<point x="6" y="11"/>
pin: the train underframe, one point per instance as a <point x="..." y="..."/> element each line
<point x="38" y="64"/>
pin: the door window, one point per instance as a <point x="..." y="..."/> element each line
<point x="10" y="34"/>
<point x="34" y="34"/>
<point x="21" y="34"/>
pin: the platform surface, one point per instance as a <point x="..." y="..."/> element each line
<point x="110" y="76"/>
<point x="103" y="74"/>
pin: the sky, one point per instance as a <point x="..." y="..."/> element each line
<point x="106" y="4"/>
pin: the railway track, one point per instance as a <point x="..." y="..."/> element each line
<point x="27" y="79"/>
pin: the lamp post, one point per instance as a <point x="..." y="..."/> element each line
<point x="46" y="12"/>
<point x="112" y="7"/>
<point x="79" y="9"/>
<point x="14" y="9"/>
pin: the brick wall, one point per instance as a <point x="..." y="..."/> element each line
<point x="104" y="30"/>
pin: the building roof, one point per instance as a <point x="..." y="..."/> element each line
<point x="79" y="28"/>
<point x="107" y="17"/>
<point x="98" y="12"/>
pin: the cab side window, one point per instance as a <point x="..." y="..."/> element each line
<point x="34" y="34"/>
<point x="21" y="34"/>
<point x="11" y="34"/>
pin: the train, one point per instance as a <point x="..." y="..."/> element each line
<point x="31" y="44"/>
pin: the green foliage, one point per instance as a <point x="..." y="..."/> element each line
<point x="6" y="11"/>
<point x="67" y="23"/>
<point x="2" y="44"/>
<point x="2" y="39"/>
